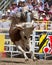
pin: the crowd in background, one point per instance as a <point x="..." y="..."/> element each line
<point x="41" y="10"/>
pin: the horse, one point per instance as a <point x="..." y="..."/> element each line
<point x="19" y="33"/>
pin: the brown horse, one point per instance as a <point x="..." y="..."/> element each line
<point x="20" y="32"/>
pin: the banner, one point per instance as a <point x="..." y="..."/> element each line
<point x="44" y="40"/>
<point x="2" y="41"/>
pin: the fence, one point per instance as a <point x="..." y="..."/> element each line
<point x="41" y="41"/>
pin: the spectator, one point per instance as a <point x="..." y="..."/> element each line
<point x="1" y="14"/>
<point x="34" y="3"/>
<point x="14" y="5"/>
<point x="25" y="8"/>
<point x="40" y="7"/>
<point x="6" y="24"/>
<point x="13" y="8"/>
<point x="50" y="9"/>
<point x="20" y="6"/>
<point x="0" y="23"/>
<point x="49" y="2"/>
<point x="46" y="9"/>
<point x="29" y="4"/>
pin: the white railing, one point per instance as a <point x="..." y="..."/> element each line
<point x="1" y="2"/>
<point x="4" y="4"/>
<point x="33" y="44"/>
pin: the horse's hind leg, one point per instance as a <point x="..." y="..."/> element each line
<point x="31" y="46"/>
<point x="33" y="56"/>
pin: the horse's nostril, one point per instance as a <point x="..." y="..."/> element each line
<point x="25" y="37"/>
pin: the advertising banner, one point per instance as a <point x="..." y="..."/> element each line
<point x="44" y="40"/>
<point x="2" y="41"/>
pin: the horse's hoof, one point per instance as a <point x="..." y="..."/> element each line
<point x="35" y="59"/>
<point x="26" y="59"/>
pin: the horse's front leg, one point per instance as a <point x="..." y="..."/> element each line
<point x="23" y="52"/>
